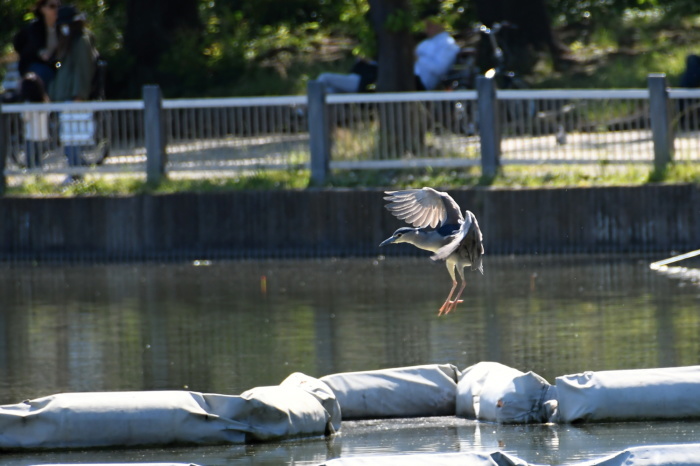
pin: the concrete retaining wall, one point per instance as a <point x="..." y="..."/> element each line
<point x="307" y="223"/>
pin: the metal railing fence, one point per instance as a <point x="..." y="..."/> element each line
<point x="235" y="134"/>
<point x="484" y="127"/>
<point x="685" y="122"/>
<point x="112" y="126"/>
<point x="577" y="126"/>
<point x="490" y="127"/>
<point x="401" y="130"/>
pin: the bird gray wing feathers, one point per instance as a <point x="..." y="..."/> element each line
<point x="423" y="207"/>
<point x="467" y="242"/>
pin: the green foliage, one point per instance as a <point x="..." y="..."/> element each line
<point x="271" y="47"/>
<point x="598" y="13"/>
<point x="676" y="172"/>
<point x="12" y="17"/>
<point x="399" y="20"/>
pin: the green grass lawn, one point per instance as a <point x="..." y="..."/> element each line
<point x="550" y="176"/>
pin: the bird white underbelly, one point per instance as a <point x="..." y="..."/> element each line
<point x="431" y="241"/>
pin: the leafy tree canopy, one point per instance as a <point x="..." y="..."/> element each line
<point x="209" y="47"/>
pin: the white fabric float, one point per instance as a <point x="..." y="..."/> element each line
<point x="629" y="395"/>
<point x="430" y="459"/>
<point x="413" y="391"/>
<point x="300" y="406"/>
<point x="493" y="392"/>
<point x="655" y="455"/>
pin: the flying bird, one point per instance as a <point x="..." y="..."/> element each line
<point x="441" y="229"/>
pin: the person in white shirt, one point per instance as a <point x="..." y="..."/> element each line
<point x="435" y="55"/>
<point x="36" y="123"/>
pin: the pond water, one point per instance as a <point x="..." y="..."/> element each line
<point x="225" y="327"/>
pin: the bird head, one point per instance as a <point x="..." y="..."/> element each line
<point x="402" y="235"/>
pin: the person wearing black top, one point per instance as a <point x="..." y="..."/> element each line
<point x="36" y="43"/>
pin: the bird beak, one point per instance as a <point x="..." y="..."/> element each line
<point x="388" y="241"/>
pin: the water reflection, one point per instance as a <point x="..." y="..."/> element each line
<point x="536" y="444"/>
<point x="221" y="327"/>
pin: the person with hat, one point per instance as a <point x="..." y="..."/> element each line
<point x="75" y="57"/>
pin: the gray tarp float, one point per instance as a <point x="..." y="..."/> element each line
<point x="661" y="455"/>
<point x="431" y="459"/>
<point x="428" y="390"/>
<point x="629" y="395"/>
<point x="490" y="391"/>
<point x="300" y="406"/>
<point x="655" y="455"/>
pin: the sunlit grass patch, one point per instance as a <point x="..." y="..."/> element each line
<point x="112" y="186"/>
<point x="510" y="176"/>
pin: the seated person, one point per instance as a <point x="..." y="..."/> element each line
<point x="361" y="76"/>
<point x="435" y="55"/>
<point x="36" y="43"/>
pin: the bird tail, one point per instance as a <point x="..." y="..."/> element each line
<point x="479" y="266"/>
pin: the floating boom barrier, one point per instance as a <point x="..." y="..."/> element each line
<point x="304" y="407"/>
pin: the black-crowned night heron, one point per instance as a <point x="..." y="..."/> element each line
<point x="441" y="229"/>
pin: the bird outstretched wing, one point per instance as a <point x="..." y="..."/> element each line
<point x="424" y="207"/>
<point x="467" y="242"/>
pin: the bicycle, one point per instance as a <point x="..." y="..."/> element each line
<point x="465" y="71"/>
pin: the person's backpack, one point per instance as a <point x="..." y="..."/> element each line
<point x="367" y="72"/>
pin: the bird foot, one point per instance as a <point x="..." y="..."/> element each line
<point x="449" y="306"/>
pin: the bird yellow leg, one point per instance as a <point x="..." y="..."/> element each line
<point x="452" y="305"/>
<point x="446" y="306"/>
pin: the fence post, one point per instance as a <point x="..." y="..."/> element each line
<point x="489" y="130"/>
<point x="660" y="115"/>
<point x="319" y="134"/>
<point x="154" y="132"/>
<point x="3" y="151"/>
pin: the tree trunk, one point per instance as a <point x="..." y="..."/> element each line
<point x="399" y="123"/>
<point x="394" y="47"/>
<point x="149" y="30"/>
